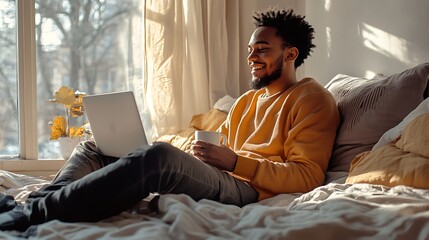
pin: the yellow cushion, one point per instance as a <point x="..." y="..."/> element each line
<point x="415" y="137"/>
<point x="209" y="121"/>
<point x="405" y="162"/>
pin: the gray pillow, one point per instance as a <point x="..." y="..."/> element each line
<point x="370" y="107"/>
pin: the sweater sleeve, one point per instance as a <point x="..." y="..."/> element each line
<point x="307" y="149"/>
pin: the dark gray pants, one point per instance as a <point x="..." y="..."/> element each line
<point x="91" y="186"/>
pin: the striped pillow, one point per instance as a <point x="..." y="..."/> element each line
<point x="370" y="107"/>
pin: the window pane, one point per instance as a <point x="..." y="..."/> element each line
<point x="8" y="82"/>
<point x="90" y="46"/>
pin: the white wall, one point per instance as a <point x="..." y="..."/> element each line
<point x="247" y="9"/>
<point x="365" y="37"/>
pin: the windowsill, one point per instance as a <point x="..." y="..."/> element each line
<point x="35" y="168"/>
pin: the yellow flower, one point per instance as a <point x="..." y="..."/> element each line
<point x="77" y="108"/>
<point x="65" y="96"/>
<point x="77" y="131"/>
<point x="58" y="127"/>
<point x="73" y="104"/>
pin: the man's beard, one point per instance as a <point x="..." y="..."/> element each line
<point x="268" y="79"/>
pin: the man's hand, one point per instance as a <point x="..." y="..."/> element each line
<point x="220" y="157"/>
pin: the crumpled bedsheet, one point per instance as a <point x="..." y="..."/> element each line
<point x="332" y="211"/>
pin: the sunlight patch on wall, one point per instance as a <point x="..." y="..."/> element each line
<point x="328" y="41"/>
<point x="385" y="43"/>
<point x="327" y="5"/>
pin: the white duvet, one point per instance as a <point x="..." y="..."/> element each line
<point x="333" y="211"/>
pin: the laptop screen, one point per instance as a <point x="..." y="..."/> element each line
<point x="115" y="122"/>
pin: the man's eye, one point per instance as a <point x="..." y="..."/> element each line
<point x="249" y="51"/>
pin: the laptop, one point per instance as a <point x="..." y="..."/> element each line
<point x="115" y="122"/>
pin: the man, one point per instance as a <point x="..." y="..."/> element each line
<point x="280" y="137"/>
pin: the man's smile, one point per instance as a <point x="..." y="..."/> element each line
<point x="257" y="67"/>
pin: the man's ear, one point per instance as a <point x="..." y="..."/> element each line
<point x="291" y="54"/>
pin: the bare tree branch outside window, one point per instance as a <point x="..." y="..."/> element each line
<point x="79" y="43"/>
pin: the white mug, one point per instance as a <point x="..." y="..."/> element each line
<point x="216" y="138"/>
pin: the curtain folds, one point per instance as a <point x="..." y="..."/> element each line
<point x="190" y="61"/>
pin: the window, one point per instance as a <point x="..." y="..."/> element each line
<point x="9" y="145"/>
<point x="90" y="46"/>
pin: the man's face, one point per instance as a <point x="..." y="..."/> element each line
<point x="265" y="57"/>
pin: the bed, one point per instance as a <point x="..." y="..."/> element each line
<point x="377" y="184"/>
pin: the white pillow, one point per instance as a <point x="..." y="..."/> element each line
<point x="393" y="133"/>
<point x="225" y="104"/>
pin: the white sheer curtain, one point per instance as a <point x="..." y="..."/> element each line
<point x="188" y="60"/>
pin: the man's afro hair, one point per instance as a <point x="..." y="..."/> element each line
<point x="295" y="31"/>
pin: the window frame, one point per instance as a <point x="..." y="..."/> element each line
<point x="27" y="82"/>
<point x="28" y="162"/>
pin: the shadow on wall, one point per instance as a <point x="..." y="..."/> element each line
<point x="364" y="38"/>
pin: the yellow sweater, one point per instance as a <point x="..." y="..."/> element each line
<point x="284" y="141"/>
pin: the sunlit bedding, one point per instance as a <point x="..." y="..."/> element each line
<point x="363" y="211"/>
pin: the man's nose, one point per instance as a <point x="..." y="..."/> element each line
<point x="251" y="57"/>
